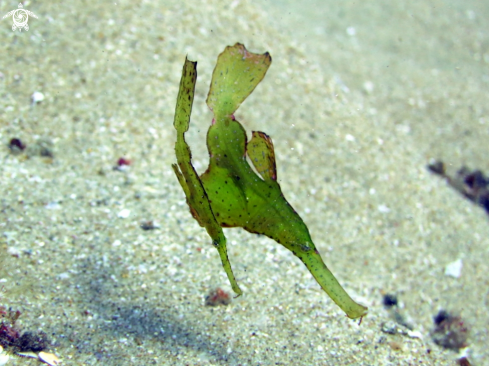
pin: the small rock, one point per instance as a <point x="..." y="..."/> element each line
<point x="450" y="331"/>
<point x="217" y="297"/>
<point x="49" y="358"/>
<point x="454" y="269"/>
<point x="391" y="327"/>
<point x="42" y="147"/>
<point x="124" y="214"/>
<point x="4" y="357"/>
<point x="368" y="86"/>
<point x="37" y="97"/>
<point x="16" y="146"/>
<point x="389" y="300"/>
<point x="383" y="209"/>
<point x="32" y="342"/>
<point x="149" y="225"/>
<point x="349" y="137"/>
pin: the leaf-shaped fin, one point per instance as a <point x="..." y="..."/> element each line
<point x="236" y="75"/>
<point x="261" y="153"/>
<point x="185" y="98"/>
<point x="187" y="176"/>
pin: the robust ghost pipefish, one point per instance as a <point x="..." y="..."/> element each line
<point x="229" y="193"/>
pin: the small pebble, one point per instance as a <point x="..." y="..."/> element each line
<point x="368" y="86"/>
<point x="16" y="146"/>
<point x="42" y="147"/>
<point x="149" y="225"/>
<point x="383" y="208"/>
<point x="391" y="327"/>
<point x="217" y="297"/>
<point x="124" y="214"/>
<point x="123" y="161"/>
<point x="454" y="269"/>
<point x="349" y="137"/>
<point x="122" y="164"/>
<point x="37" y="97"/>
<point x="389" y="300"/>
<point x="415" y="334"/>
<point x="463" y="361"/>
<point x="32" y="342"/>
<point x="49" y="358"/>
<point x="351" y="31"/>
<point x="450" y="331"/>
<point x="4" y="357"/>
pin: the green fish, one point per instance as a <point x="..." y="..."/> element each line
<point x="230" y="193"/>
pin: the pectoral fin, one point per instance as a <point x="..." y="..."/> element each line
<point x="261" y="153"/>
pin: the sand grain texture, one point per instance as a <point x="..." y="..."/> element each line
<point x="358" y="99"/>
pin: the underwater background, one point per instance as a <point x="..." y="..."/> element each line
<point x="359" y="100"/>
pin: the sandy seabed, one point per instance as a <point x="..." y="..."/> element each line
<point x="358" y="100"/>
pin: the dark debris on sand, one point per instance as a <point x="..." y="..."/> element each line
<point x="473" y="185"/>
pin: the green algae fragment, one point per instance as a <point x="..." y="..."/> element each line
<point x="230" y="193"/>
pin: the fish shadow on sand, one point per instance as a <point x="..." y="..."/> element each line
<point x="169" y="330"/>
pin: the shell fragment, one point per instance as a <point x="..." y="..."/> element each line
<point x="49" y="358"/>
